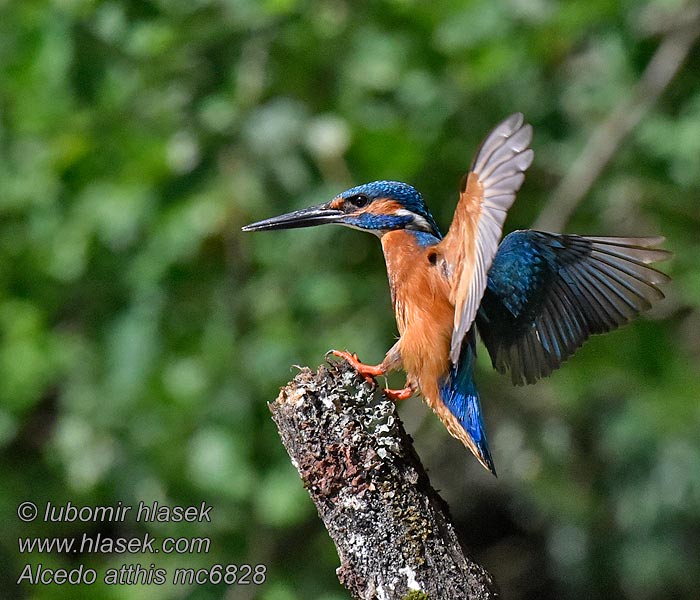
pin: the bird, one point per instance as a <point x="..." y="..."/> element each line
<point x="534" y="297"/>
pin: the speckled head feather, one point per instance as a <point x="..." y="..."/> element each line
<point x="404" y="206"/>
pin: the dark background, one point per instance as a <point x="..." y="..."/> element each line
<point x="141" y="333"/>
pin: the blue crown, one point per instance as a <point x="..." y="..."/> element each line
<point x="406" y="195"/>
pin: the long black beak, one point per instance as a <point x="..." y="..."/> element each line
<point x="306" y="217"/>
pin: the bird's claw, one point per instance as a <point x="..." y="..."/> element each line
<point x="396" y="395"/>
<point x="369" y="372"/>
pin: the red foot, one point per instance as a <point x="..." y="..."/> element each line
<point x="397" y="395"/>
<point x="369" y="372"/>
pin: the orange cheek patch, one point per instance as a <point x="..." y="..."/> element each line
<point x="382" y="206"/>
<point x="386" y="207"/>
<point x="337" y="203"/>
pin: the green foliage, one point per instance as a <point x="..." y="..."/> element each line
<point x="141" y="333"/>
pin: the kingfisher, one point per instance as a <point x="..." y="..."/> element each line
<point x="534" y="299"/>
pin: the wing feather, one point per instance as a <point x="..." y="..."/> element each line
<point x="487" y="193"/>
<point x="547" y="293"/>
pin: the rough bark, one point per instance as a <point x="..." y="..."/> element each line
<point x="393" y="533"/>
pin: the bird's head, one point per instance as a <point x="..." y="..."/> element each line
<point x="378" y="207"/>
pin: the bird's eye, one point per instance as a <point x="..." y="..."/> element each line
<point x="358" y="200"/>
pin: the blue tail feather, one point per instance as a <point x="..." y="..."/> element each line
<point x="462" y="399"/>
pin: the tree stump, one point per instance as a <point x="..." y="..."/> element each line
<point x="393" y="532"/>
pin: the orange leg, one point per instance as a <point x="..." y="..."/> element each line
<point x="369" y="372"/>
<point x="397" y="395"/>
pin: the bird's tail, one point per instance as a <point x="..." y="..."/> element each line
<point x="460" y="397"/>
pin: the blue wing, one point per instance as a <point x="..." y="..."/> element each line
<point x="458" y="393"/>
<point x="547" y="293"/>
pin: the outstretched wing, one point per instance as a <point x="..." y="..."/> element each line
<point x="547" y="293"/>
<point x="487" y="192"/>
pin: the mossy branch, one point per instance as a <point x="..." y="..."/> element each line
<point x="393" y="532"/>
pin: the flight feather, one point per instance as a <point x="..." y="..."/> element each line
<point x="487" y="192"/>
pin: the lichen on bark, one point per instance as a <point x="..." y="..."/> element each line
<point x="392" y="530"/>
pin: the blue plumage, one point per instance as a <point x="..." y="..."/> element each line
<point x="519" y="271"/>
<point x="547" y="293"/>
<point x="378" y="222"/>
<point x="461" y="397"/>
<point x="403" y="193"/>
<point x="425" y="239"/>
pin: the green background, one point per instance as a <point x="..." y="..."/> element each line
<point x="141" y="333"/>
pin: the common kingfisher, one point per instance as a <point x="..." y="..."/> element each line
<point x="534" y="299"/>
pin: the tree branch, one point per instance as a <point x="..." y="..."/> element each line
<point x="393" y="533"/>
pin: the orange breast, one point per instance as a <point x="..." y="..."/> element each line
<point x="424" y="313"/>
